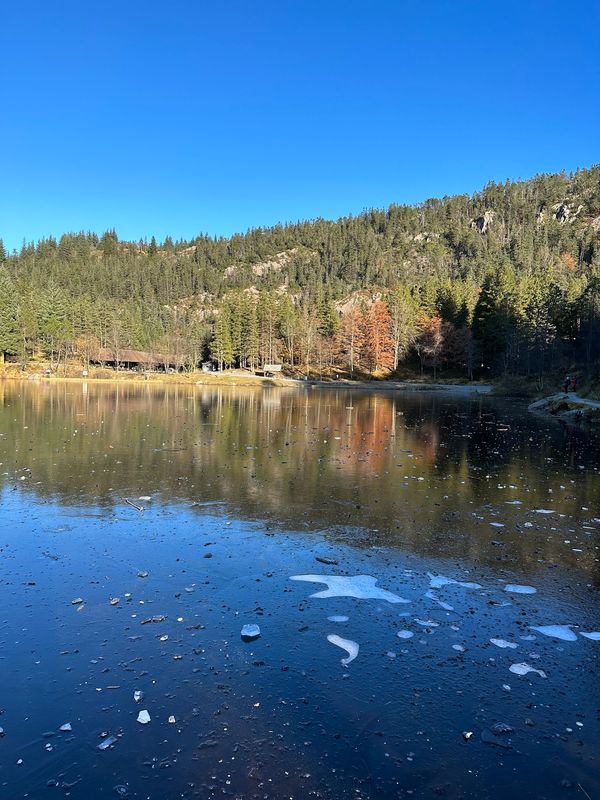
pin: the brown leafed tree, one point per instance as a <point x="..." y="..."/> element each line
<point x="378" y="344"/>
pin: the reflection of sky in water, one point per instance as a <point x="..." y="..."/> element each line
<point x="274" y="488"/>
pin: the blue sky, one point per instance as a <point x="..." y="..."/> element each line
<point x="183" y="117"/>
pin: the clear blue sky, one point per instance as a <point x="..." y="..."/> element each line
<point x="183" y="116"/>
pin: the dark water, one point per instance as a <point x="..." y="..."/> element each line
<point x="249" y="487"/>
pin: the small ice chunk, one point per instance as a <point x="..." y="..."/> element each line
<point x="544" y="511"/>
<point x="593" y="635"/>
<point x="497" y="524"/>
<point x="360" y="586"/>
<point x="523" y="669"/>
<point x="516" y="588"/>
<point x="458" y="647"/>
<point x="106" y="743"/>
<point x="67" y="727"/>
<point x="346" y="644"/>
<point x="143" y="717"/>
<point x="563" y="632"/>
<point x="405" y="634"/>
<point x="250" y="633"/>
<point x="137" y="696"/>
<point x="432" y="596"/>
<point x="437" y="581"/>
<point x="338" y="618"/>
<point x="145" y="498"/>
<point x="503" y="643"/>
<point x="427" y="623"/>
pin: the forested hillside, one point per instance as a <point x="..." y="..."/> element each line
<point x="505" y="281"/>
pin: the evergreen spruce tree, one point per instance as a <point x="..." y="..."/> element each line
<point x="10" y="323"/>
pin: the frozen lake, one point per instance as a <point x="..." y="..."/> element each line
<point x="423" y="570"/>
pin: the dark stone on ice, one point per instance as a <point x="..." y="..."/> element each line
<point x="501" y="728"/>
<point x="491" y="738"/>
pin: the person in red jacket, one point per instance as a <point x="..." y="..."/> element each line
<point x="574" y="383"/>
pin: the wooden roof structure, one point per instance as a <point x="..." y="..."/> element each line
<point x="139" y="357"/>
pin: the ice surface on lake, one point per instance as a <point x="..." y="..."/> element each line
<point x="360" y="586"/>
<point x="432" y="596"/>
<point x="523" y="669"/>
<point x="338" y="618"/>
<point x="563" y="632"/>
<point x="405" y="634"/>
<point x="593" y="635"/>
<point x="502" y="643"/>
<point x="516" y="588"/>
<point x="346" y="644"/>
<point x="437" y="581"/>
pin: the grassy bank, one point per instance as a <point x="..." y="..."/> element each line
<point x="43" y="372"/>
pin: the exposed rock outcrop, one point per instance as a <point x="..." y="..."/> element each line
<point x="482" y="224"/>
<point x="563" y="212"/>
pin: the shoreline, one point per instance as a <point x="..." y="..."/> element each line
<point x="237" y="380"/>
<point x="567" y="407"/>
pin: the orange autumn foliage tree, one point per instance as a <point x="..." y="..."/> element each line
<point x="378" y="343"/>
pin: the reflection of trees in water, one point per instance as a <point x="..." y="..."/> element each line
<point x="304" y="458"/>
